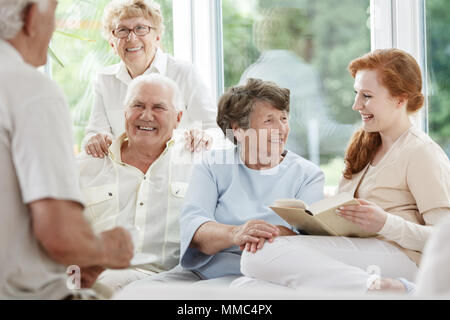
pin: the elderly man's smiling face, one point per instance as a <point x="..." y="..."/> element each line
<point x="151" y="117"/>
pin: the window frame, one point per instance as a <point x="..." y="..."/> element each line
<point x="198" y="39"/>
<point x="402" y="24"/>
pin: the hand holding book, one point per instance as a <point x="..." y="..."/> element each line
<point x="367" y="215"/>
<point x="321" y="218"/>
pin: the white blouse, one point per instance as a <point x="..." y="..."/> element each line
<point x="110" y="88"/>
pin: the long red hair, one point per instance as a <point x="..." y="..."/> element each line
<point x="399" y="72"/>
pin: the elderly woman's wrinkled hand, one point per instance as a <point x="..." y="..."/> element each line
<point x="98" y="145"/>
<point x="252" y="235"/>
<point x="197" y="140"/>
<point x="367" y="215"/>
<point x="253" y="246"/>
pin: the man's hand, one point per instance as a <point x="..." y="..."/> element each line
<point x="118" y="248"/>
<point x="252" y="235"/>
<point x="196" y="140"/>
<point x="89" y="275"/>
<point x="98" y="145"/>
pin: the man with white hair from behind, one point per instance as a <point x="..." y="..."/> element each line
<point x="141" y="183"/>
<point x="42" y="228"/>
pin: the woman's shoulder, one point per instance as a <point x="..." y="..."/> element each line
<point x="221" y="155"/>
<point x="298" y="161"/>
<point x="421" y="149"/>
<point x="184" y="64"/>
<point x="178" y="67"/>
<point x="417" y="141"/>
<point x="109" y="70"/>
<point x="107" y="76"/>
<point x="419" y="137"/>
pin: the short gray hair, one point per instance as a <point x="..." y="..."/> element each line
<point x="155" y="78"/>
<point x="236" y="104"/>
<point x="11" y="15"/>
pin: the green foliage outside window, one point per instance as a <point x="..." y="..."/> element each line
<point x="322" y="33"/>
<point x="438" y="54"/>
<point x="334" y="38"/>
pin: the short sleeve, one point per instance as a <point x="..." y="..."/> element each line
<point x="312" y="187"/>
<point x="42" y="148"/>
<point x="428" y="177"/>
<point x="199" y="207"/>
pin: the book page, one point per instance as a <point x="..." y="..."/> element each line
<point x="323" y="220"/>
<point x="290" y="203"/>
<point x="301" y="220"/>
<point x="329" y="203"/>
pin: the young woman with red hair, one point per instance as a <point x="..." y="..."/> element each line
<point x="400" y="177"/>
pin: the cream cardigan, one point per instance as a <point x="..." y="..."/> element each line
<point x="412" y="184"/>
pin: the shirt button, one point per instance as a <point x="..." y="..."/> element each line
<point x="145" y="178"/>
<point x="110" y="194"/>
<point x="141" y="203"/>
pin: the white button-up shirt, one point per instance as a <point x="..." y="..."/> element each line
<point x="110" y="88"/>
<point x="118" y="194"/>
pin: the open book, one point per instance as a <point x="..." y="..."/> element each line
<point x="320" y="217"/>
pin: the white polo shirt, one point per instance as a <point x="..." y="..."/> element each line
<point x="118" y="194"/>
<point x="37" y="162"/>
<point x="110" y="89"/>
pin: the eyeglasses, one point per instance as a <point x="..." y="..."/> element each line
<point x="139" y="31"/>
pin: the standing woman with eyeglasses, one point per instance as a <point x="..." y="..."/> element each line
<point x="134" y="29"/>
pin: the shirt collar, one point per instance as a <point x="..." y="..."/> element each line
<point x="122" y="73"/>
<point x="10" y="51"/>
<point x="116" y="146"/>
<point x="158" y="65"/>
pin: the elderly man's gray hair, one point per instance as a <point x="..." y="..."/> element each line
<point x="155" y="78"/>
<point x="11" y="15"/>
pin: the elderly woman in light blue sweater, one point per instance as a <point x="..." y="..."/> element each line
<point x="226" y="209"/>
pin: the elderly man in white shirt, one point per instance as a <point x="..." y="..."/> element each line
<point x="134" y="29"/>
<point x="140" y="185"/>
<point x="42" y="228"/>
